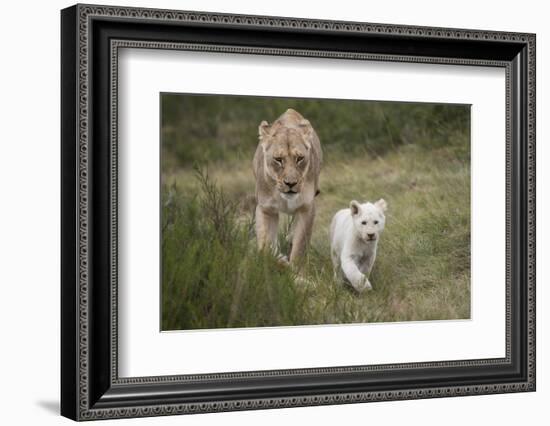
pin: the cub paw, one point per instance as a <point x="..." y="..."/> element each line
<point x="366" y="284"/>
<point x="361" y="284"/>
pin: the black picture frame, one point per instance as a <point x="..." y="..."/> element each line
<point x="90" y="386"/>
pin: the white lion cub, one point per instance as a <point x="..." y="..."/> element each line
<point x="354" y="235"/>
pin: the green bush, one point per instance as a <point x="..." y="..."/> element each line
<point x="212" y="275"/>
<point x="198" y="128"/>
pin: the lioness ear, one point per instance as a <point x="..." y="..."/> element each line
<point x="381" y="204"/>
<point x="355" y="207"/>
<point x="263" y="129"/>
<point x="307" y="130"/>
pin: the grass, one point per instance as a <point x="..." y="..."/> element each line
<point x="214" y="277"/>
<point x="198" y="128"/>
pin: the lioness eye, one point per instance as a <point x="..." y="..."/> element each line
<point x="365" y="222"/>
<point x="376" y="222"/>
<point x="299" y="159"/>
<point x="279" y="160"/>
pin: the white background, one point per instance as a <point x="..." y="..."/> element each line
<point x="29" y="229"/>
<point x="146" y="352"/>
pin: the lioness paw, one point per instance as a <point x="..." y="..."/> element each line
<point x="283" y="260"/>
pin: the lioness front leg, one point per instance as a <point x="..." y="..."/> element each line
<point x="303" y="225"/>
<point x="357" y="279"/>
<point x="266" y="229"/>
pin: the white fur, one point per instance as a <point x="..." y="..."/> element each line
<point x="354" y="235"/>
<point x="290" y="202"/>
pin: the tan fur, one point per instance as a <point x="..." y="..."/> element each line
<point x="286" y="167"/>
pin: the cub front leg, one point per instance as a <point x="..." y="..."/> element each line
<point x="267" y="223"/>
<point x="357" y="279"/>
<point x="368" y="263"/>
<point x="301" y="233"/>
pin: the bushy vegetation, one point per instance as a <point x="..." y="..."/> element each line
<point x="225" y="128"/>
<point x="213" y="276"/>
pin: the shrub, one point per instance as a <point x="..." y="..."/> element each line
<point x="212" y="275"/>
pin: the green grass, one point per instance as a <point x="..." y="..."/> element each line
<point x="214" y="277"/>
<point x="199" y="128"/>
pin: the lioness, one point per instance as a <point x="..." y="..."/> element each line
<point x="286" y="167"/>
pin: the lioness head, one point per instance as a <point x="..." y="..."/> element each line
<point x="369" y="219"/>
<point x="287" y="152"/>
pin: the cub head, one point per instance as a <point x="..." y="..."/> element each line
<point x="287" y="153"/>
<point x="369" y="219"/>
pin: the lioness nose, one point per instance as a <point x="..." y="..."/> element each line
<point x="371" y="236"/>
<point x="290" y="184"/>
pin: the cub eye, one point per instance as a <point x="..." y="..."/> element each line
<point x="365" y="222"/>
<point x="376" y="222"/>
<point x="278" y="160"/>
<point x="299" y="159"/>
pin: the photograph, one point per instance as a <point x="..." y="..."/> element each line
<point x="281" y="211"/>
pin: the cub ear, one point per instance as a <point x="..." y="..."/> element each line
<point x="263" y="129"/>
<point x="381" y="204"/>
<point x="307" y="130"/>
<point x="355" y="207"/>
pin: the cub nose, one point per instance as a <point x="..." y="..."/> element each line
<point x="371" y="236"/>
<point x="290" y="184"/>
